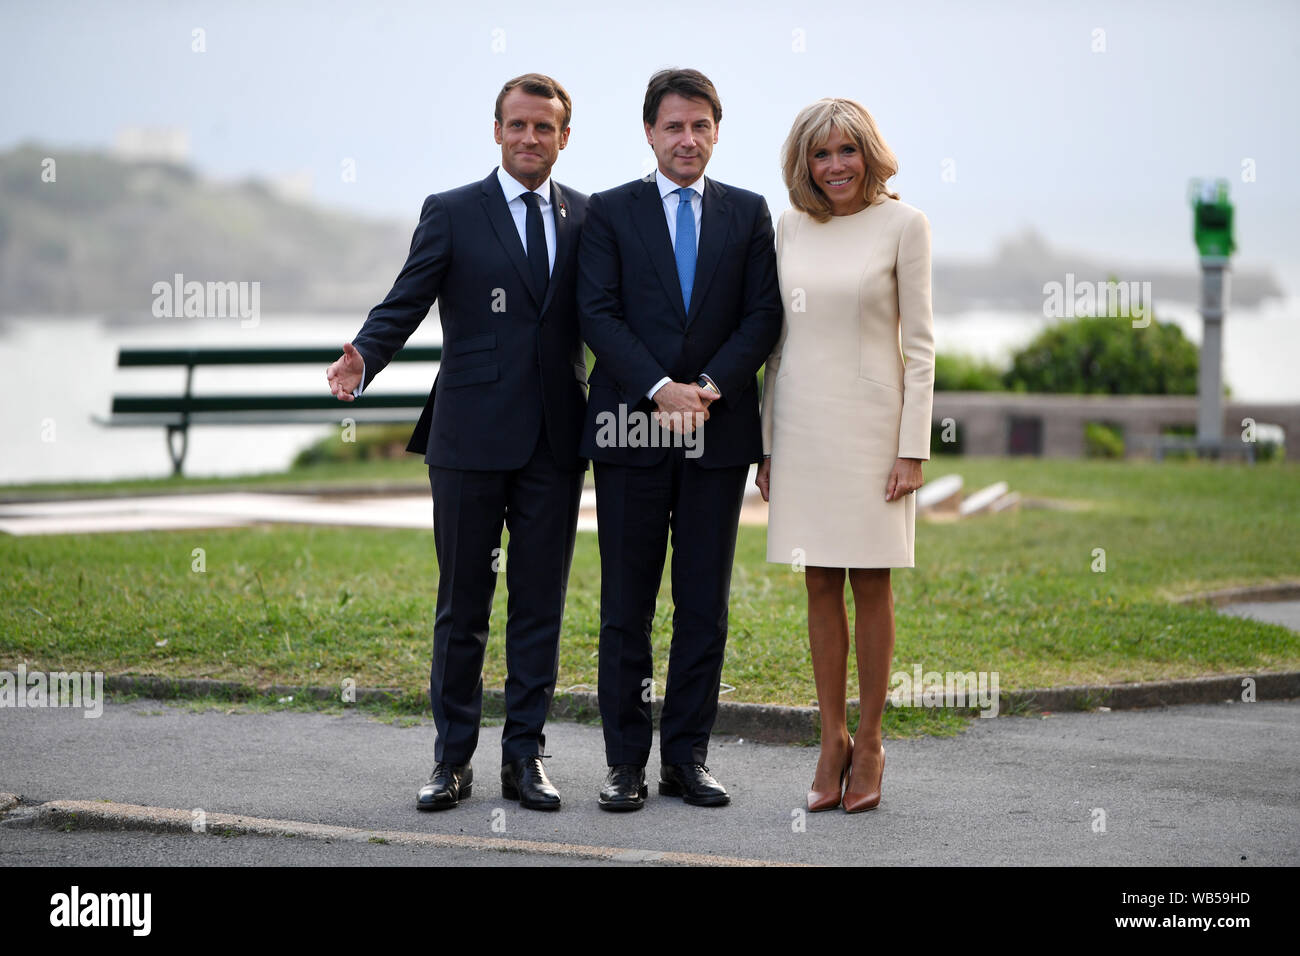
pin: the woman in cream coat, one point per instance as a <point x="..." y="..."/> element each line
<point x="846" y="417"/>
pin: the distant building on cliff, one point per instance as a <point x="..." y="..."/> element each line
<point x="169" y="144"/>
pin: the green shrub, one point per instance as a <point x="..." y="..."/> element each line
<point x="1106" y="356"/>
<point x="962" y="373"/>
<point x="1103" y="440"/>
<point x="372" y="442"/>
<point x="1270" y="451"/>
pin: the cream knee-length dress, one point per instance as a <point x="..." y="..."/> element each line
<point x="849" y="387"/>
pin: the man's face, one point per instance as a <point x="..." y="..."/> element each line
<point x="683" y="137"/>
<point x="530" y="135"/>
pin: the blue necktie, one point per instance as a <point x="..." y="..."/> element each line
<point x="685" y="251"/>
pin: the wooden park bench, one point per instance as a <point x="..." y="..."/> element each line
<point x="177" y="413"/>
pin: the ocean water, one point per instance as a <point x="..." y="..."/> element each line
<point x="63" y="372"/>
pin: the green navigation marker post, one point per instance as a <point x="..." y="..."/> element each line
<point x="1212" y="217"/>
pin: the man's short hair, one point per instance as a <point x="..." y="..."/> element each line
<point x="691" y="84"/>
<point x="538" y="84"/>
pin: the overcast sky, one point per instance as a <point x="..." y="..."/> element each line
<point x="1093" y="147"/>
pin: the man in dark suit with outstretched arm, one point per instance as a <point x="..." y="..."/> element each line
<point x="678" y="299"/>
<point x="501" y="439"/>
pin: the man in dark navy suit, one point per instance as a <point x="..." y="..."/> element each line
<point x="501" y="440"/>
<point x="678" y="299"/>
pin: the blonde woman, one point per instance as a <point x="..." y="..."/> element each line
<point x="846" y="418"/>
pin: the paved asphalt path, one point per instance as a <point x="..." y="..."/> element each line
<point x="1286" y="613"/>
<point x="1206" y="784"/>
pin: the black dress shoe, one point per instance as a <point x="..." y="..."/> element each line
<point x="693" y="783"/>
<point x="525" y="780"/>
<point x="447" y="786"/>
<point x="624" y="788"/>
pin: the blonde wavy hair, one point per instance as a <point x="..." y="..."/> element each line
<point x="812" y="127"/>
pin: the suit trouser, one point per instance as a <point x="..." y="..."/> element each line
<point x="637" y="511"/>
<point x="538" y="505"/>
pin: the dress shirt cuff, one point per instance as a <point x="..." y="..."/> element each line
<point x="657" y="385"/>
<point x="709" y="379"/>
<point x="356" y="392"/>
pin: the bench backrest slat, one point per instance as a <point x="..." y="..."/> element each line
<point x="137" y="404"/>
<point x="273" y="356"/>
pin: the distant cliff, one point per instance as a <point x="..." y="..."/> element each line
<point x="97" y="238"/>
<point x="1014" y="277"/>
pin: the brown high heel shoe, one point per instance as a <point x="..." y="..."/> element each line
<point x="818" y="800"/>
<point x="856" y="802"/>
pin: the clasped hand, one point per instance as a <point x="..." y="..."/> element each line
<point x="681" y="407"/>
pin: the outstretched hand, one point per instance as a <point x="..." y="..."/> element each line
<point x="344" y="376"/>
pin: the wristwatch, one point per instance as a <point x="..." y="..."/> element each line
<point x="703" y="382"/>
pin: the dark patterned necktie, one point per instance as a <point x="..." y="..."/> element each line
<point x="538" y="263"/>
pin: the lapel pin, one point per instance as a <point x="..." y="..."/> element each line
<point x="564" y="213"/>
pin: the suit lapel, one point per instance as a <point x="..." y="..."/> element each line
<point x="715" y="222"/>
<point x="648" y="213"/>
<point x="564" y="236"/>
<point x="503" y="224"/>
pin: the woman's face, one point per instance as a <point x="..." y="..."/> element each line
<point x="838" y="169"/>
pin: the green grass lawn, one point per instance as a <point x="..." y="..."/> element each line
<point x="1013" y="593"/>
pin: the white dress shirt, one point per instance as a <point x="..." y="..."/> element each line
<point x="514" y="191"/>
<point x="668" y="192"/>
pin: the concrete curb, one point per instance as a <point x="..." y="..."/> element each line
<point x="98" y="815"/>
<point x="767" y="723"/>
<point x="1261" y="592"/>
<point x="167" y="688"/>
<point x="1166" y="693"/>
